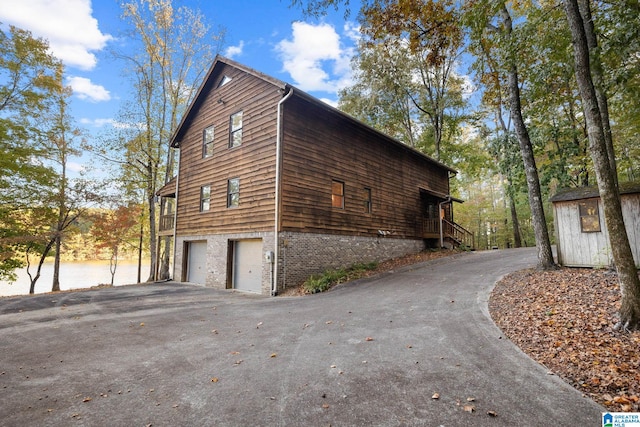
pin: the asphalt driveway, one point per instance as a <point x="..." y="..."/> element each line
<point x="372" y="352"/>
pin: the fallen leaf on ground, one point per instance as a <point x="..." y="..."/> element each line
<point x="564" y="320"/>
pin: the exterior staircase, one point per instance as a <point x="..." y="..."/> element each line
<point x="451" y="232"/>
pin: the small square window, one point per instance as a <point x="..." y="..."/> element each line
<point x="207" y="142"/>
<point x="233" y="193"/>
<point x="337" y="194"/>
<point x="366" y="193"/>
<point x="589" y="216"/>
<point x="235" y="134"/>
<point x="205" y="198"/>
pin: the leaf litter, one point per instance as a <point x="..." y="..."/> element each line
<point x="564" y="320"/>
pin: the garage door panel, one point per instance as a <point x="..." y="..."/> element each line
<point x="247" y="266"/>
<point x="197" y="262"/>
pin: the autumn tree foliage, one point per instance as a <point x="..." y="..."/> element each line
<point x="174" y="47"/>
<point x="416" y="45"/>
<point x="113" y="229"/>
<point x="28" y="80"/>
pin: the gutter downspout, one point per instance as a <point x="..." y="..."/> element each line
<point x="274" y="282"/>
<point x="441" y="215"/>
<point x="175" y="221"/>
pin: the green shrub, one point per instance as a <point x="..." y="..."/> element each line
<point x="323" y="282"/>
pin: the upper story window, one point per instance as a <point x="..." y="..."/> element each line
<point x="207" y="142"/>
<point x="366" y="193"/>
<point x="235" y="134"/>
<point x="337" y="194"/>
<point x="589" y="216"/>
<point x="233" y="193"/>
<point x="224" y="81"/>
<point x="205" y="198"/>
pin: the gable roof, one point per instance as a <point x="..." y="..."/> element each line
<point x="207" y="85"/>
<point x="591" y="192"/>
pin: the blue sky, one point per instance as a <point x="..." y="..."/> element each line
<point x="267" y="35"/>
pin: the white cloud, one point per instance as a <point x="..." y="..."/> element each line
<point x="75" y="167"/>
<point x="68" y="25"/>
<point x="98" y="123"/>
<point x="85" y="89"/>
<point x="315" y="57"/>
<point x="234" y="51"/>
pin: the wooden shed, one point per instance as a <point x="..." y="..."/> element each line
<point x="581" y="232"/>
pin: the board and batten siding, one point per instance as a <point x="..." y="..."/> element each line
<point x="580" y="249"/>
<point x="320" y="146"/>
<point x="253" y="162"/>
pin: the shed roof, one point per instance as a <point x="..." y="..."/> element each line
<point x="591" y="192"/>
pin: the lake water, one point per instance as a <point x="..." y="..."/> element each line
<point x="74" y="275"/>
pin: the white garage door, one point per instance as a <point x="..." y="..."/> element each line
<point x="197" y="262"/>
<point x="247" y="266"/>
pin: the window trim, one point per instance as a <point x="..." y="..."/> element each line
<point x="337" y="197"/>
<point x="205" y="198"/>
<point x="589" y="222"/>
<point x="207" y="146"/>
<point x="233" y="132"/>
<point x="230" y="194"/>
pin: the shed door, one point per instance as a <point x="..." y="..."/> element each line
<point x="247" y="266"/>
<point x="197" y="262"/>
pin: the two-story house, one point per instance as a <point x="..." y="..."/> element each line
<point x="274" y="185"/>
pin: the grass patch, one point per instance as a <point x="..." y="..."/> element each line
<point x="323" y="282"/>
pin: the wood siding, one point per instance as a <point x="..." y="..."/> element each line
<point x="320" y="146"/>
<point x="580" y="249"/>
<point x="253" y="162"/>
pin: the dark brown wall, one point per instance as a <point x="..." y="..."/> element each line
<point x="320" y="146"/>
<point x="253" y="162"/>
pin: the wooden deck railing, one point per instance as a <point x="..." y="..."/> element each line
<point x="450" y="230"/>
<point x="458" y="233"/>
<point x="166" y="222"/>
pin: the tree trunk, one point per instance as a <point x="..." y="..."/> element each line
<point x="113" y="263"/>
<point x="517" y="239"/>
<point x="609" y="194"/>
<point x="43" y="256"/>
<point x="598" y="81"/>
<point x="545" y="255"/>
<point x="55" y="286"/>
<point x="153" y="246"/>
<point x="141" y="238"/>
